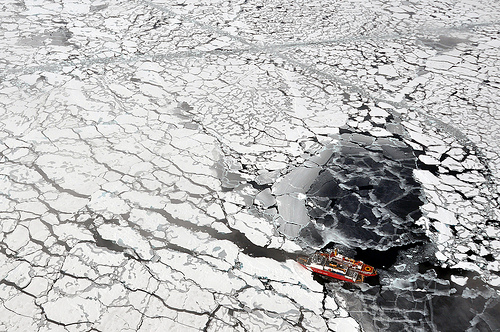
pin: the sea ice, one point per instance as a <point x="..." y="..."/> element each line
<point x="164" y="163"/>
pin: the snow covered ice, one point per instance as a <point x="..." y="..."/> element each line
<point x="164" y="163"/>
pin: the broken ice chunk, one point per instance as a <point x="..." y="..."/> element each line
<point x="265" y="198"/>
<point x="297" y="181"/>
<point x="387" y="70"/>
<point x="459" y="280"/>
<point x="293" y="210"/>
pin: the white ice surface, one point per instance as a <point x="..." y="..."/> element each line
<point x="135" y="137"/>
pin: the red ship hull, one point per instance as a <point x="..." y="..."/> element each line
<point x="334" y="265"/>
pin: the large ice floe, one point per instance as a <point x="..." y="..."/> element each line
<point x="164" y="163"/>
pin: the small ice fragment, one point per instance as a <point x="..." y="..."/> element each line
<point x="459" y="280"/>
<point x="400" y="267"/>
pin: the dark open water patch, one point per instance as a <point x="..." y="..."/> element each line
<point x="365" y="196"/>
<point x="423" y="301"/>
<point x="382" y="259"/>
<point x="365" y="201"/>
<point x="415" y="293"/>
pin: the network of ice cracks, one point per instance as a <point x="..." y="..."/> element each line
<point x="155" y="155"/>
